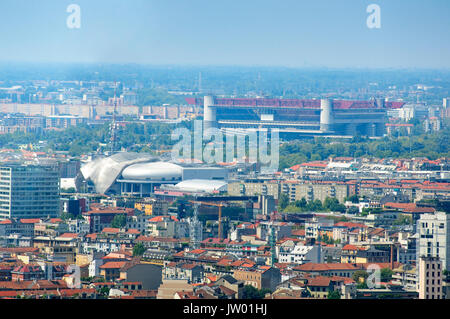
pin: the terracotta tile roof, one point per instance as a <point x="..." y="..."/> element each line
<point x="350" y="225"/>
<point x="19" y="250"/>
<point x="179" y="254"/>
<point x="72" y="292"/>
<point x="92" y="236"/>
<point x="298" y="232"/>
<point x="197" y="251"/>
<point x="113" y="265"/>
<point x="352" y="247"/>
<point x="186" y="295"/>
<point x="133" y="231"/>
<point x="145" y="238"/>
<point x="69" y="235"/>
<point x="161" y="218"/>
<point x="103" y="284"/>
<point x="144" y="293"/>
<point x="30" y="220"/>
<point x="377" y="232"/>
<point x="319" y="281"/>
<point x="318" y="164"/>
<point x="110" y="230"/>
<point x="226" y="291"/>
<point x="325" y="267"/>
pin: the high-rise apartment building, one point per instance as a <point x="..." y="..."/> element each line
<point x="29" y="191"/>
<point x="430" y="278"/>
<point x="434" y="240"/>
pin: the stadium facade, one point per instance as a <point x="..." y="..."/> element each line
<point x="305" y="117"/>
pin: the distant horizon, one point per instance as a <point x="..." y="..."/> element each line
<point x="249" y="66"/>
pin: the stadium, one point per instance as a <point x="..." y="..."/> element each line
<point x="323" y="117"/>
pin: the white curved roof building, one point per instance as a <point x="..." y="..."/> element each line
<point x="202" y="185"/>
<point x="104" y="171"/>
<point x="157" y="171"/>
<point x="139" y="174"/>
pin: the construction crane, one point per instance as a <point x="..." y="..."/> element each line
<point x="220" y="205"/>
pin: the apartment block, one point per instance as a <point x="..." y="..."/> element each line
<point x="430" y="278"/>
<point x="29" y="191"/>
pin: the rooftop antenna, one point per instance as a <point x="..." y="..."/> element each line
<point x="113" y="127"/>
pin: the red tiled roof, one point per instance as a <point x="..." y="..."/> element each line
<point x="92" y="236"/>
<point x="350" y="225"/>
<point x="161" y="218"/>
<point x="69" y="235"/>
<point x="110" y="230"/>
<point x="197" y="251"/>
<point x="299" y="232"/>
<point x="113" y="264"/>
<point x="325" y="267"/>
<point x="30" y="220"/>
<point x="352" y="247"/>
<point x="319" y="281"/>
<point x="19" y="249"/>
<point x="133" y="231"/>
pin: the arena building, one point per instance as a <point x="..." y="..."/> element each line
<point x="304" y="117"/>
<point x="137" y="174"/>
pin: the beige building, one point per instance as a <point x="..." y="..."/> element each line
<point x="430" y="278"/>
<point x="296" y="190"/>
<point x="320" y="191"/>
<point x="169" y="287"/>
<point x="271" y="188"/>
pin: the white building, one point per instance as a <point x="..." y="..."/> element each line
<point x="94" y="267"/>
<point x="299" y="254"/>
<point x="312" y="229"/>
<point x="139" y="222"/>
<point x="433" y="231"/>
<point x="78" y="226"/>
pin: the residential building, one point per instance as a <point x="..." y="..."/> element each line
<point x="29" y="191"/>
<point x="430" y="278"/>
<point x="264" y="277"/>
<point x="434" y="240"/>
<point x="299" y="254"/>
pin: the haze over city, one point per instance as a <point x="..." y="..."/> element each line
<point x="325" y="33"/>
<point x="282" y="152"/>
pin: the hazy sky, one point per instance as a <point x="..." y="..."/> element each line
<point x="314" y="33"/>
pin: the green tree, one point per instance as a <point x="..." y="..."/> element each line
<point x="354" y="199"/>
<point x="139" y="249"/>
<point x="386" y="274"/>
<point x="251" y="292"/>
<point x="360" y="274"/>
<point x="119" y="221"/>
<point x="301" y="203"/>
<point x="283" y="201"/>
<point x="334" y="294"/>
